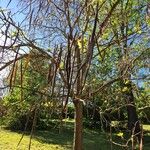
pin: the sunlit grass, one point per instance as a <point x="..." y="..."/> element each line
<point x="146" y="127"/>
<point x="9" y="141"/>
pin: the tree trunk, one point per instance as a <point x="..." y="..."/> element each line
<point x="77" y="144"/>
<point x="133" y="121"/>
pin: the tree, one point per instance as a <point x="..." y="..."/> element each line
<point x="71" y="31"/>
<point x="72" y="36"/>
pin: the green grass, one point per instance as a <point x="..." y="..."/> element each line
<point x="146" y="128"/>
<point x="9" y="141"/>
<point x="52" y="140"/>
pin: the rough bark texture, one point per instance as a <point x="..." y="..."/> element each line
<point x="77" y="145"/>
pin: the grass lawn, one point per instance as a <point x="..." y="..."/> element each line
<point x="52" y="140"/>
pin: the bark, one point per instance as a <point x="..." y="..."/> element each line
<point x="77" y="144"/>
<point x="133" y="120"/>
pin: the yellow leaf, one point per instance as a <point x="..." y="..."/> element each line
<point x="125" y="89"/>
<point x="94" y="80"/>
<point x="120" y="134"/>
<point x="14" y="33"/>
<point x="139" y="31"/>
<point x="61" y="66"/>
<point x="127" y="82"/>
<point x="79" y="44"/>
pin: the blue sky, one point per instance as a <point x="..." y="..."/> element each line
<point x="18" y="18"/>
<point x="13" y="7"/>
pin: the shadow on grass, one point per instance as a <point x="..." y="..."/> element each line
<point x="53" y="136"/>
<point x="95" y="140"/>
<point x="92" y="140"/>
<point x="147" y="141"/>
